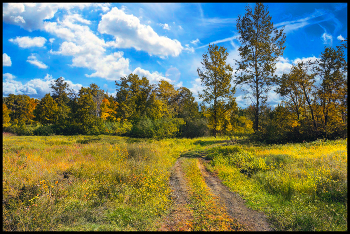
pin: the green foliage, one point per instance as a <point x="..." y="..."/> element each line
<point x="216" y="76"/>
<point x="46" y="112"/>
<point x="159" y="129"/>
<point x="261" y="45"/>
<point x="44" y="131"/>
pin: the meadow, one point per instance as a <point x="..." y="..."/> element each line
<point x="112" y="183"/>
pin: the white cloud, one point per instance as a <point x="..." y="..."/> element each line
<point x="340" y="37"/>
<point x="110" y="67"/>
<point x="188" y="48"/>
<point x="36" y="88"/>
<point x="327" y="38"/>
<point x="6" y="60"/>
<point x="152" y="77"/>
<point x="180" y="27"/>
<point x="33" y="60"/>
<point x="164" y="26"/>
<point x="194" y="42"/>
<point x="130" y="33"/>
<point x="26" y="42"/>
<point x="31" y="16"/>
<point x="52" y="40"/>
<point x="87" y="49"/>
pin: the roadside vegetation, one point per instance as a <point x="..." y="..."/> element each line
<point x="300" y="187"/>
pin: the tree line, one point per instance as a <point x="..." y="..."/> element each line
<point x="314" y="97"/>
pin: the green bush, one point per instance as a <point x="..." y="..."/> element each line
<point x="195" y="128"/>
<point x="158" y="129"/>
<point x="44" y="131"/>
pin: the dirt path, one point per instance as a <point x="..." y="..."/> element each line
<point x="235" y="207"/>
<point x="181" y="215"/>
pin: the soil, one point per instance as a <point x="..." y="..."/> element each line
<point x="235" y="206"/>
<point x="181" y="214"/>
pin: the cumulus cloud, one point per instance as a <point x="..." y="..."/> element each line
<point x="341" y="38"/>
<point x="130" y="33"/>
<point x="87" y="49"/>
<point x="26" y="42"/>
<point x="152" y="77"/>
<point x="6" y="60"/>
<point x="36" y="88"/>
<point x="31" y="16"/>
<point x="110" y="67"/>
<point x="33" y="60"/>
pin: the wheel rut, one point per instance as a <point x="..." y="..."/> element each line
<point x="181" y="215"/>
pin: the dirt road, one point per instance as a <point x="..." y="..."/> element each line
<point x="181" y="215"/>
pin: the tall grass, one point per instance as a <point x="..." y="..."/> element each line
<point x="300" y="186"/>
<point x="86" y="183"/>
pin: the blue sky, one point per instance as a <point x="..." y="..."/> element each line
<point x="99" y="43"/>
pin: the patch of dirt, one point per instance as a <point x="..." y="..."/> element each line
<point x="235" y="207"/>
<point x="181" y="215"/>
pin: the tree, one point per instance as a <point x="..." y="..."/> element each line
<point x="84" y="113"/>
<point x="46" y="111"/>
<point x="21" y="108"/>
<point x="261" y="45"/>
<point x="167" y="93"/>
<point x="330" y="69"/>
<point x="134" y="98"/>
<point x="60" y="94"/>
<point x="216" y="76"/>
<point x="108" y="109"/>
<point x="5" y="116"/>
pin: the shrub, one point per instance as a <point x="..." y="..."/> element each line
<point x="44" y="131"/>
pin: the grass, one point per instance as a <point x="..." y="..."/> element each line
<point x="111" y="183"/>
<point x="299" y="186"/>
<point x="78" y="183"/>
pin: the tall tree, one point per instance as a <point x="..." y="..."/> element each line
<point x="60" y="94"/>
<point x="261" y="45"/>
<point x="330" y="70"/>
<point x="216" y="76"/>
<point x="133" y="97"/>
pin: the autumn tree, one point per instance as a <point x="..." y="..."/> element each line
<point x="330" y="70"/>
<point x="5" y="116"/>
<point x="216" y="76"/>
<point x="167" y="93"/>
<point x="21" y="108"/>
<point x="46" y="112"/>
<point x="261" y="45"/>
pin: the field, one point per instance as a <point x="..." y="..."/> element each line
<point x="109" y="183"/>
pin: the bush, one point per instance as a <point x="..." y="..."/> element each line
<point x="44" y="131"/>
<point x="195" y="128"/>
<point x="20" y="130"/>
<point x="158" y="129"/>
